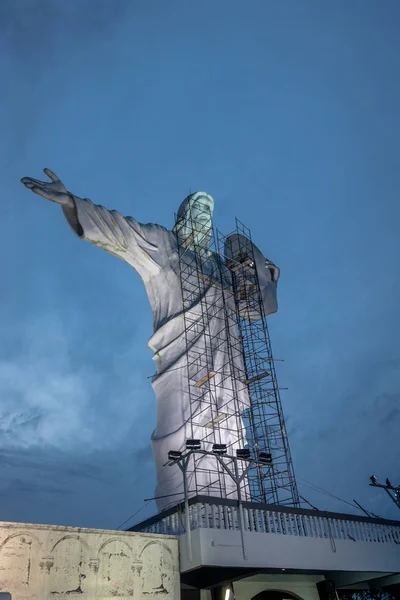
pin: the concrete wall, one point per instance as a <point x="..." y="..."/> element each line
<point x="217" y="547"/>
<point x="43" y="562"/>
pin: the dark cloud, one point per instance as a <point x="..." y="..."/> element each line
<point x="77" y="489"/>
<point x="393" y="363"/>
<point x="384" y="410"/>
<point x="34" y="25"/>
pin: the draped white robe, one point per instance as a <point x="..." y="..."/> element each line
<point x="153" y="252"/>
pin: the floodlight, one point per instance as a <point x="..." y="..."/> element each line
<point x="219" y="448"/>
<point x="193" y="444"/>
<point x="243" y="453"/>
<point x="265" y="457"/>
<point x="174" y="455"/>
<point x="373" y="479"/>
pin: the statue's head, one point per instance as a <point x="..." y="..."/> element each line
<point x="194" y="220"/>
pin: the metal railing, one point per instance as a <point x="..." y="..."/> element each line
<point x="216" y="513"/>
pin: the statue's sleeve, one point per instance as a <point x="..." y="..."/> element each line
<point x="121" y="236"/>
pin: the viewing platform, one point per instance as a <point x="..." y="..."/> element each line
<point x="260" y="539"/>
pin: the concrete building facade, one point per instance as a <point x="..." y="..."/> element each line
<point x="43" y="562"/>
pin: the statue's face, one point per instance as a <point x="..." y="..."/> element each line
<point x="195" y="220"/>
<point x="201" y="216"/>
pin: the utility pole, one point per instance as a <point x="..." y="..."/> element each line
<point x="392" y="491"/>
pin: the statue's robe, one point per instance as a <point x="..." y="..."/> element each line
<point x="182" y="357"/>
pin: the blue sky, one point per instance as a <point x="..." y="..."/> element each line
<point x="288" y="114"/>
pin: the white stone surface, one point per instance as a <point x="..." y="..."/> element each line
<point x="39" y="562"/>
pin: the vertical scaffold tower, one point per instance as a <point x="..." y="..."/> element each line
<point x="232" y="390"/>
<point x="264" y="420"/>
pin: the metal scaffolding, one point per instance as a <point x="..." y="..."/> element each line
<point x="232" y="389"/>
<point x="264" y="420"/>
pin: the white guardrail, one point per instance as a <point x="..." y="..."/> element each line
<point x="276" y="520"/>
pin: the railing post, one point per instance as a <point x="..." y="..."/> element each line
<point x="240" y="507"/>
<point x="183" y="467"/>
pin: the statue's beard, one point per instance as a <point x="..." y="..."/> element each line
<point x="195" y="235"/>
<point x="202" y="235"/>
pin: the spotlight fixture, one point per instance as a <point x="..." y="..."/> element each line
<point x="265" y="457"/>
<point x="388" y="482"/>
<point x="243" y="453"/>
<point x="193" y="444"/>
<point x="373" y="479"/>
<point x="174" y="455"/>
<point x="219" y="448"/>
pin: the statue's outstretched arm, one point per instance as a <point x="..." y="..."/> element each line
<point x="123" y="237"/>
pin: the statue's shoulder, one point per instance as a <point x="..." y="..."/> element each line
<point x="155" y="227"/>
<point x="152" y="231"/>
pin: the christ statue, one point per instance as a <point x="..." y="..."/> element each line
<point x="157" y="254"/>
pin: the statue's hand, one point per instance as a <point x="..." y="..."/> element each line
<point x="55" y="191"/>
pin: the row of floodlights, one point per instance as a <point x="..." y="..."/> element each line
<point x="221" y="449"/>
